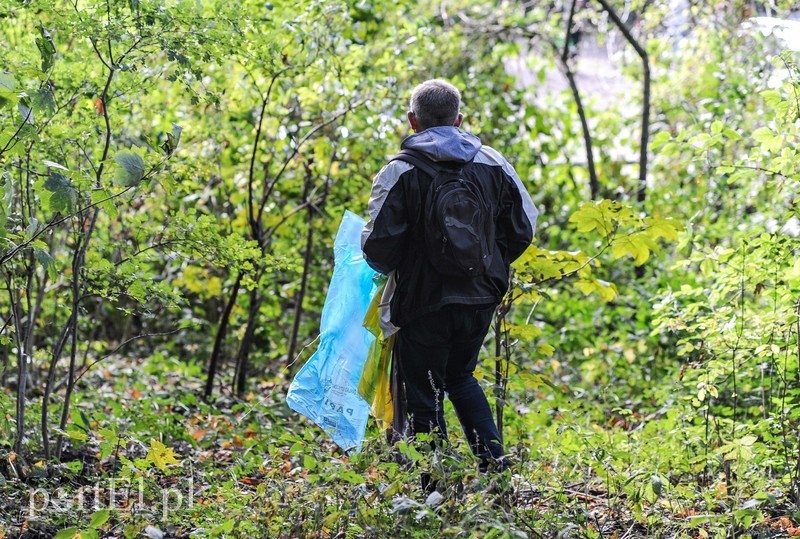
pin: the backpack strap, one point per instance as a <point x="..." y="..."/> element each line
<point x="419" y="160"/>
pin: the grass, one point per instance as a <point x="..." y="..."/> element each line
<point x="253" y="468"/>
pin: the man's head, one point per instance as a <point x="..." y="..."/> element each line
<point x="434" y="103"/>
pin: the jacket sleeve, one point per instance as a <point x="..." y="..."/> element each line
<point x="518" y="215"/>
<point x="384" y="237"/>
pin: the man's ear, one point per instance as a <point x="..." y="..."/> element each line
<point x="412" y="121"/>
<point x="459" y="120"/>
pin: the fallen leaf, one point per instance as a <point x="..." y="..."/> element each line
<point x="161" y="455"/>
<point x="782" y="523"/>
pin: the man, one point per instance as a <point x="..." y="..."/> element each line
<point x="443" y="318"/>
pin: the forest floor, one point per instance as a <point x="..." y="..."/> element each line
<point x="147" y="458"/>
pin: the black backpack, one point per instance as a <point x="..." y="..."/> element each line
<point x="458" y="223"/>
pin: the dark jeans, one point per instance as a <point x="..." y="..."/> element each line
<point x="435" y="355"/>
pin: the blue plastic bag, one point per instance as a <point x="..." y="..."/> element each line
<point x="326" y="389"/>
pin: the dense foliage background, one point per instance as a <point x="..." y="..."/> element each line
<point x="173" y="174"/>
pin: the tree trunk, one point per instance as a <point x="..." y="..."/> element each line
<point x="243" y="356"/>
<point x="594" y="184"/>
<point x="48" y="388"/>
<point x="4" y="377"/>
<point x="222" y="331"/>
<point x="301" y="294"/>
<point x="641" y="194"/>
<point x="70" y="385"/>
<point x="22" y="370"/>
<point x="78" y="261"/>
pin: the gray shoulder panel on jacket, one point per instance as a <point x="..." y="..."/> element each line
<point x="383" y="183"/>
<point x="489" y="156"/>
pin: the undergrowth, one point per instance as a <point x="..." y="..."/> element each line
<point x="181" y="467"/>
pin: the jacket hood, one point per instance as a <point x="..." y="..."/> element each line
<point x="445" y="143"/>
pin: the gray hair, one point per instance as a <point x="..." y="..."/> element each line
<point x="435" y="102"/>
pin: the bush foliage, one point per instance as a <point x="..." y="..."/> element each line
<point x="173" y="174"/>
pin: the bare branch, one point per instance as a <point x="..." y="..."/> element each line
<point x="642" y="193"/>
<point x="121" y="346"/>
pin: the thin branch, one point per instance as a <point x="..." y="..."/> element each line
<point x="55" y="221"/>
<point x="107" y="144"/>
<point x="642" y="194"/>
<point x="148" y="248"/>
<point x="99" y="56"/>
<point x="14" y="136"/>
<point x="594" y="184"/>
<point x="121" y="346"/>
<point x="570" y="20"/>
<point x="286" y="217"/>
<point x="297" y="147"/>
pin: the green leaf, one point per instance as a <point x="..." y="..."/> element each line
<point x="44" y="100"/>
<point x="109" y="434"/>
<point x="748" y="440"/>
<point x="309" y="462"/>
<point x="47" y="48"/>
<point x="64" y="197"/>
<point x="53" y="164"/>
<point x="173" y="138"/>
<point x="762" y="134"/>
<point x="33" y="227"/>
<point x="103" y="198"/>
<point x="659" y="227"/>
<point x="660" y="139"/>
<point x="99" y="518"/>
<point x="46" y="261"/>
<point x="67" y="533"/>
<point x="352" y="477"/>
<point x="25" y="111"/>
<point x="131" y="168"/>
<point x="8" y="90"/>
<point x="657" y="483"/>
<point x="77" y="435"/>
<point x="731" y="134"/>
<point x="10" y="143"/>
<point x="770" y="142"/>
<point x="670" y="149"/>
<point x="771" y="97"/>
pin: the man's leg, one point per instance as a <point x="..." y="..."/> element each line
<point x="421" y="351"/>
<point x="468" y="398"/>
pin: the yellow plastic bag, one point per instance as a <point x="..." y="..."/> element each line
<point x="375" y="383"/>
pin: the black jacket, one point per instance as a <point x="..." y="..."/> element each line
<point x="393" y="241"/>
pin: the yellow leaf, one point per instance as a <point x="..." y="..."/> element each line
<point x="545" y="349"/>
<point x="161" y="455"/>
<point x="621" y="249"/>
<point x="606" y="290"/>
<point x="585" y="286"/>
<point x="525" y="332"/>
<point x="590" y="216"/>
<point x="643" y="253"/>
<point x="664" y="228"/>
